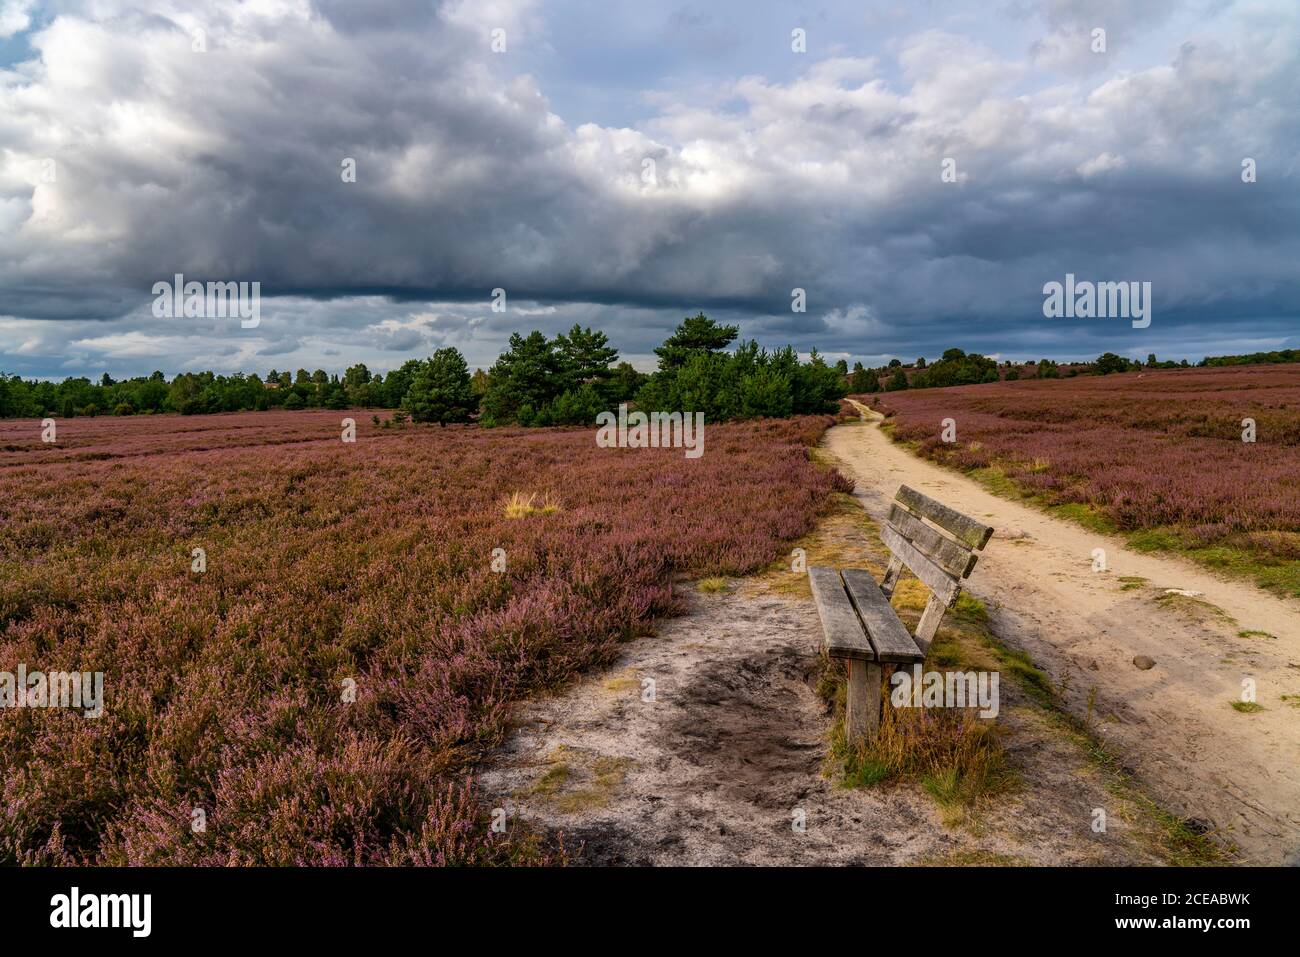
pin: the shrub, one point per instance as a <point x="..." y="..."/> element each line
<point x="1108" y="362"/>
<point x="441" y="390"/>
<point x="745" y="384"/>
<point x="367" y="562"/>
<point x="577" y="406"/>
<point x="957" y="368"/>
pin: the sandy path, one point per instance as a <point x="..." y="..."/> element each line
<point x="1173" y="724"/>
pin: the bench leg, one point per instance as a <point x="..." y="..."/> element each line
<point x="929" y="623"/>
<point x="886" y="674"/>
<point x="862" y="712"/>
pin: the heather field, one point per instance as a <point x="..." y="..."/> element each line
<point x="329" y="564"/>
<point x="1157" y="454"/>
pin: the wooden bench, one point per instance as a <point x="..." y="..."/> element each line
<point x="937" y="545"/>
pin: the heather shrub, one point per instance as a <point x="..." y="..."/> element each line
<point x="1161" y="450"/>
<point x="334" y="565"/>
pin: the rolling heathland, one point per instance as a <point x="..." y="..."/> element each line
<point x="328" y="564"/>
<point x="1158" y="454"/>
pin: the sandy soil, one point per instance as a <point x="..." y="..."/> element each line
<point x="717" y="768"/>
<point x="714" y="769"/>
<point x="1174" y="724"/>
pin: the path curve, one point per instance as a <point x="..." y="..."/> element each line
<point x="1174" y="724"/>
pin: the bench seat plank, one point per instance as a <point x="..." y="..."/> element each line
<point x="888" y="636"/>
<point x="845" y="636"/>
<point x="962" y="527"/>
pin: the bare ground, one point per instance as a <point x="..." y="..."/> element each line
<point x="1174" y="723"/>
<point x="729" y="751"/>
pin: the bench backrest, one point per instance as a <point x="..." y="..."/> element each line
<point x="938" y="545"/>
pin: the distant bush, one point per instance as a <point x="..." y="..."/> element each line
<point x="863" y="380"/>
<point x="441" y="390"/>
<point x="696" y="376"/>
<point x="567" y="380"/>
<point x="1108" y="362"/>
<point x="957" y="368"/>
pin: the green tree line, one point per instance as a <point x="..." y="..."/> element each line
<point x="537" y="381"/>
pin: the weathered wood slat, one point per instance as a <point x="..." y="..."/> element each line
<point x="887" y="634"/>
<point x="891" y="576"/>
<point x="938" y="580"/>
<point x="929" y="623"/>
<point x="844" y="635"/>
<point x="954" y="557"/>
<point x="963" y="527"/>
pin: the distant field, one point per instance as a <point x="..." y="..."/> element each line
<point x="327" y="562"/>
<point x="1156" y="454"/>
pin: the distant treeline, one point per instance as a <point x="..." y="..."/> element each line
<point x="537" y="381"/>
<point x="957" y="367"/>
<point x="1254" y="358"/>
<point x="566" y="380"/>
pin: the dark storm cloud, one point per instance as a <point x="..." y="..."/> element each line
<point x="226" y="164"/>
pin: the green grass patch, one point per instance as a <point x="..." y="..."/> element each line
<point x="969" y="609"/>
<point x="995" y="480"/>
<point x="863" y="770"/>
<point x="1032" y="678"/>
<point x="1089" y="516"/>
<point x="1247" y="707"/>
<point x="574" y="788"/>
<point x="1255" y="633"/>
<point x="1197" y="608"/>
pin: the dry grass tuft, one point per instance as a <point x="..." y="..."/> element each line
<point x="519" y="505"/>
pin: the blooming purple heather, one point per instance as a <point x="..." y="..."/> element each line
<point x="1160" y="448"/>
<point x="328" y="561"/>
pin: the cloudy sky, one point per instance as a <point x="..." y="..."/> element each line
<point x="623" y="164"/>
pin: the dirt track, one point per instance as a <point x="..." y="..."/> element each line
<point x="1174" y="724"/>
